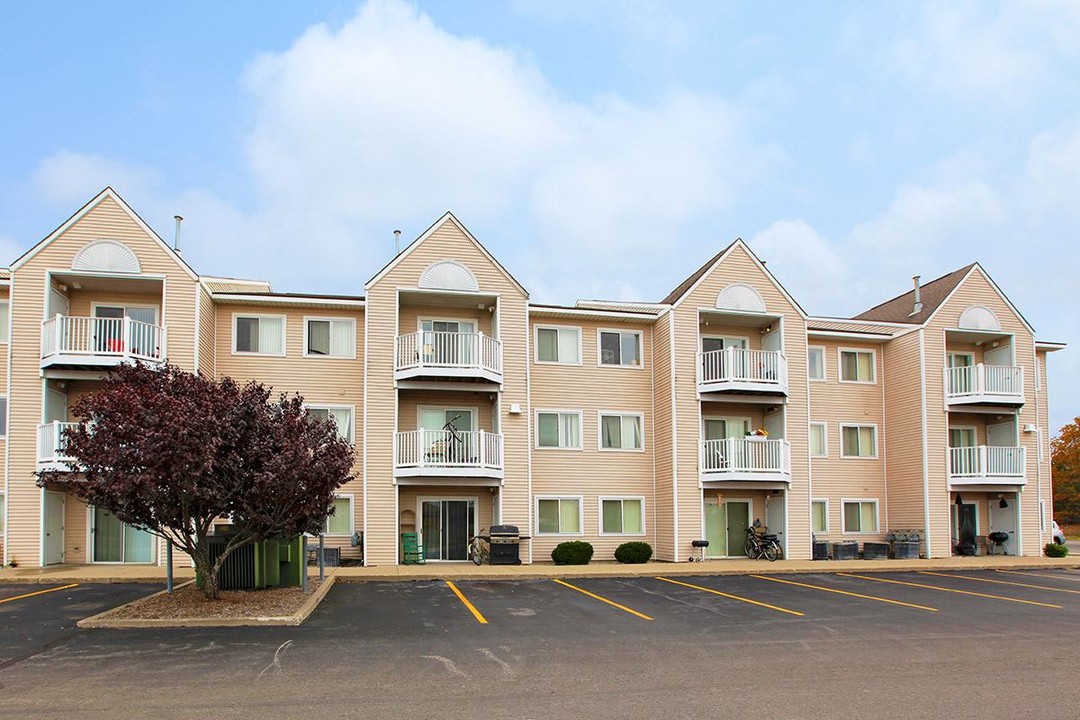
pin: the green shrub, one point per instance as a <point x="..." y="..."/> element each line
<point x="1055" y="550"/>
<point x="574" y="552"/>
<point x="633" y="552"/>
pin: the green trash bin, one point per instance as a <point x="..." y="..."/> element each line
<point x="412" y="553"/>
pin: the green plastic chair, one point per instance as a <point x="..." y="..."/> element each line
<point x="412" y="551"/>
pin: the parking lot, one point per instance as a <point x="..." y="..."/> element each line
<point x="953" y="644"/>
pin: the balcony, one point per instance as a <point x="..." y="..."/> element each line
<point x="442" y="453"/>
<point x="984" y="385"/>
<point x="439" y="355"/>
<point x="746" y="460"/>
<point x="987" y="465"/>
<point x="51" y="445"/>
<point x="99" y="342"/>
<point x="740" y="371"/>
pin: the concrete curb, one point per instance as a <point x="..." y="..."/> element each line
<point x="102" y="620"/>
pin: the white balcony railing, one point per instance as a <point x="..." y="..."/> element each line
<point x="987" y="461"/>
<point x="121" y="338"/>
<point x="429" y="350"/>
<point x="478" y="449"/>
<point x="50" y="442"/>
<point x="746" y="456"/>
<point x="984" y="383"/>
<point x="764" y="368"/>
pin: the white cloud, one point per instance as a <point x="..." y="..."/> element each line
<point x="1052" y="175"/>
<point x="809" y="265"/>
<point x="68" y="178"/>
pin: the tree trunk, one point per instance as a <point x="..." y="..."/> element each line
<point x="206" y="571"/>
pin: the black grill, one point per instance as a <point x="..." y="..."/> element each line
<point x="505" y="545"/>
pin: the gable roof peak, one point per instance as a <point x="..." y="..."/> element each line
<point x="931" y="295"/>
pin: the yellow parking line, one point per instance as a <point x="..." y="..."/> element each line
<point x="39" y="592"/>
<point x="952" y="590"/>
<point x="612" y="603"/>
<point x="1042" y="575"/>
<point x="845" y="592"/>
<point x="472" y="608"/>
<point x="733" y="597"/>
<point x="1001" y="582"/>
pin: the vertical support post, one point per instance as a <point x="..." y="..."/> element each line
<point x="168" y="566"/>
<point x="125" y="339"/>
<point x="322" y="559"/>
<point x="59" y="329"/>
<point x="303" y="565"/>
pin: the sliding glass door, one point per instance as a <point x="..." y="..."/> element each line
<point x="116" y="542"/>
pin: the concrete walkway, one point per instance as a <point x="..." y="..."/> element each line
<point x="468" y="571"/>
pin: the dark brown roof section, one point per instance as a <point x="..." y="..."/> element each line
<point x="932" y="294"/>
<point x="688" y="283"/>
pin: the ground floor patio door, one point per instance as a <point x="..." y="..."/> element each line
<point x="1003" y="519"/>
<point x="774" y="517"/>
<point x="715" y="530"/>
<point x="116" y="542"/>
<point x="738" y="519"/>
<point x="54" y="528"/>
<point x="445" y="526"/>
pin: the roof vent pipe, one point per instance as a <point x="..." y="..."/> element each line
<point x="918" y="297"/>
<point x="397" y="243"/>
<point x="176" y="235"/>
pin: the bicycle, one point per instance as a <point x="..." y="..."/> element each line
<point x="761" y="546"/>
<point x="480" y="548"/>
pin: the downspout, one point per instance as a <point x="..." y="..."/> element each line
<point x="925" y="461"/>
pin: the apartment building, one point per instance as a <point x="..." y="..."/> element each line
<point x="689" y="418"/>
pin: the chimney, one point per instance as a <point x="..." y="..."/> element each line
<point x="397" y="243"/>
<point x="918" y="297"/>
<point x="176" y="235"/>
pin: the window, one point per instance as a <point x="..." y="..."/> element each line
<point x="342" y="417"/>
<point x="816" y="360"/>
<point x="259" y="334"/>
<point x="3" y="416"/>
<point x="558" y="430"/>
<point x="558" y="516"/>
<point x="858" y="441"/>
<point x="620" y="348"/>
<point x="857" y="366"/>
<point x="819" y="516"/>
<point x="341" y="522"/>
<point x="819" y="442"/>
<point x="622" y="516"/>
<point x="5" y="306"/>
<point x="860" y="516"/>
<point x="331" y="337"/>
<point x="558" y="345"/>
<point x="620" y="432"/>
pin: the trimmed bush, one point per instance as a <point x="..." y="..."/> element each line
<point x="633" y="552"/>
<point x="1055" y="550"/>
<point x="574" y="552"/>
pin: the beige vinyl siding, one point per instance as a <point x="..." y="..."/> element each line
<point x="592" y="473"/>
<point x="411" y="315"/>
<point x="976" y="290"/>
<point x="106" y="220"/>
<point x="83" y="302"/>
<point x="836" y="403"/>
<point x="903" y="437"/>
<point x="662" y="511"/>
<point x="1044" y="437"/>
<point x="739" y="267"/>
<point x="207" y="334"/>
<point x="4" y="296"/>
<point x="384" y="320"/>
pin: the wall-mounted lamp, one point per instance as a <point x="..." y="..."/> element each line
<point x="1002" y="504"/>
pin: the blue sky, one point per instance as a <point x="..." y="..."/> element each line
<point x="599" y="149"/>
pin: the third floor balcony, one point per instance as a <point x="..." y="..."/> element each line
<point x="438" y="355"/>
<point x="99" y="342"/>
<point x="742" y="371"/>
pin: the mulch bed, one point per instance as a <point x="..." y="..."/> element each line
<point x="189" y="602"/>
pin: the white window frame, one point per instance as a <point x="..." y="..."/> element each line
<point x="581" y="429"/>
<point x="581" y="515"/>
<point x="974" y="434"/>
<point x="284" y="333"/>
<point x="824" y="369"/>
<point x="877" y="516"/>
<point x="641" y="349"/>
<point x="840" y="365"/>
<point x="825" y="438"/>
<point x="557" y="328"/>
<point x="826" y="502"/>
<point x="621" y="498"/>
<point x="5" y="313"/>
<point x="332" y="406"/>
<point x="859" y="425"/>
<point x="352" y="516"/>
<point x="124" y="306"/>
<point x="600" y="414"/>
<point x="329" y="319"/>
<point x="421" y="319"/>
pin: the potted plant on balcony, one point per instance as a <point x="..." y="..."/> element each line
<point x="757" y="435"/>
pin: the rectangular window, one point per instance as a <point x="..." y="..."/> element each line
<point x="857" y="366"/>
<point x="342" y="417"/>
<point x="3" y="417"/>
<point x="341" y="522"/>
<point x="5" y="306"/>
<point x="558" y="345"/>
<point x="558" y="516"/>
<point x="819" y="444"/>
<point x="331" y="337"/>
<point x="622" y="516"/>
<point x="259" y="334"/>
<point x="620" y="432"/>
<point x="558" y="430"/>
<point x="858" y="441"/>
<point x="816" y="360"/>
<point x="860" y="516"/>
<point x="620" y="348"/>
<point x="819" y="516"/>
